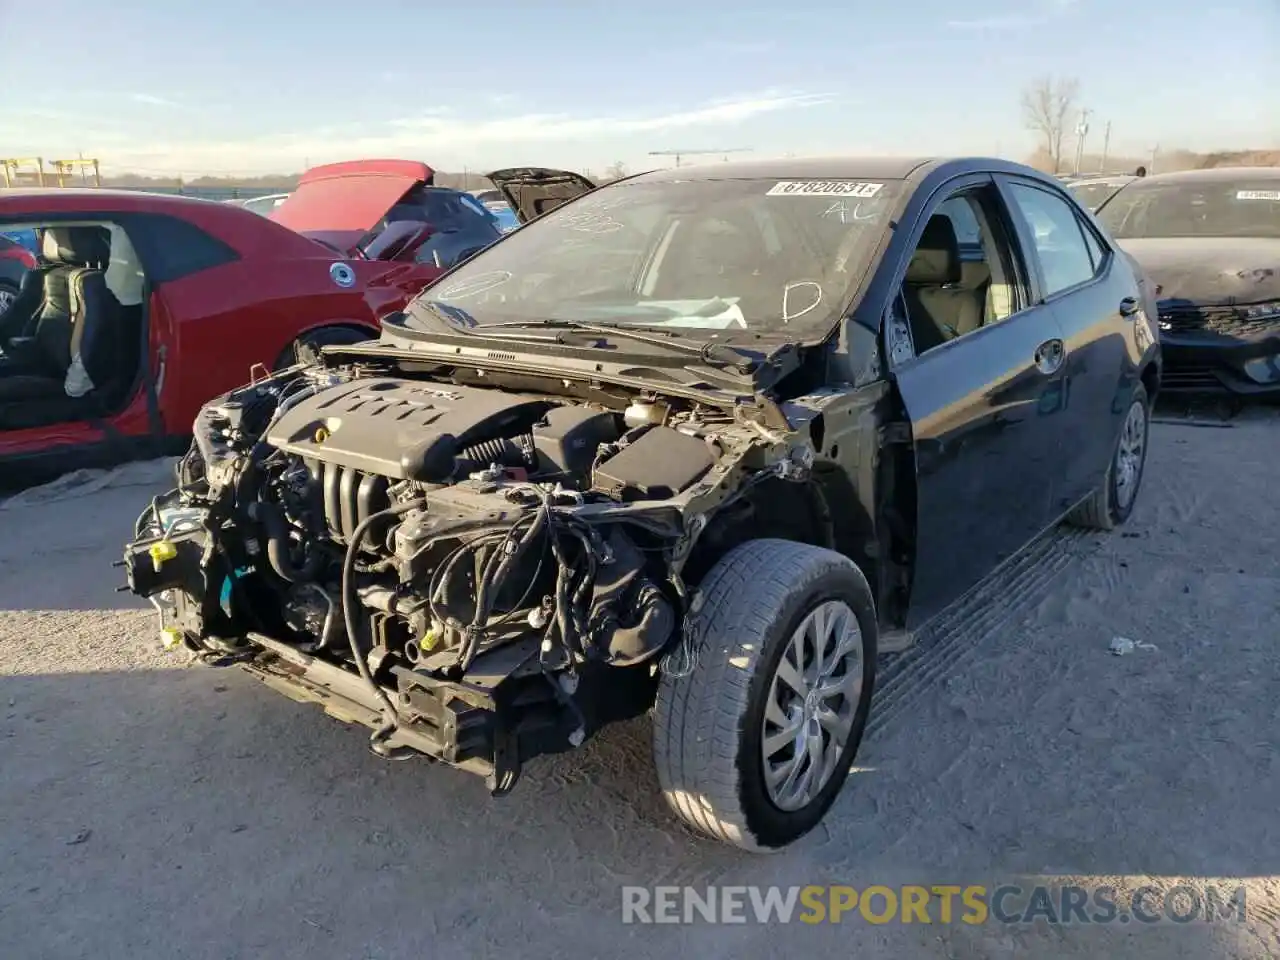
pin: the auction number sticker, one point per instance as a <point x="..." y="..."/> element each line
<point x="1258" y="194"/>
<point x="824" y="188"/>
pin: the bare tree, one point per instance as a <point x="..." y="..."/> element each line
<point x="615" y="171"/>
<point x="1048" y="108"/>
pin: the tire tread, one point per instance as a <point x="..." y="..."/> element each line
<point x="698" y="718"/>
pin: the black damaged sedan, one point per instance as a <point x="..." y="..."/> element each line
<point x="1210" y="241"/>
<point x="703" y="442"/>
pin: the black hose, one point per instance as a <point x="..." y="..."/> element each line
<point x="349" y="600"/>
<point x="277" y="528"/>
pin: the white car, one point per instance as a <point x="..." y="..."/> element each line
<point x="264" y="205"/>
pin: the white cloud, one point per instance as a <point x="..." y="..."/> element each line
<point x="1037" y="12"/>
<point x="561" y="126"/>
<point x="442" y="136"/>
<point x="151" y="100"/>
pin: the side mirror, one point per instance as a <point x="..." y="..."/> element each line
<point x="799" y="298"/>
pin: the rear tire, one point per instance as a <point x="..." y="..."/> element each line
<point x="735" y="738"/>
<point x="1112" y="503"/>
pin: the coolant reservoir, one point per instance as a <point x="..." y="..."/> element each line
<point x="642" y="412"/>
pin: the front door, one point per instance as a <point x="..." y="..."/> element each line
<point x="981" y="380"/>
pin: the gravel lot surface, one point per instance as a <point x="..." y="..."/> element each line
<point x="150" y="809"/>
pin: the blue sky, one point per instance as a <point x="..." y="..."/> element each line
<point x="241" y="87"/>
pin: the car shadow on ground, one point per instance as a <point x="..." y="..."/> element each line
<point x="199" y="815"/>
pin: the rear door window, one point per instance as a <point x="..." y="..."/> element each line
<point x="1058" y="237"/>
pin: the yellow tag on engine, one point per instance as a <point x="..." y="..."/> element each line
<point x="162" y="551"/>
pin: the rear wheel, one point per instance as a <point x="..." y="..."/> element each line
<point x="1113" y="502"/>
<point x="754" y="744"/>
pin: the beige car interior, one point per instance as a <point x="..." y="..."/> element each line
<point x="946" y="296"/>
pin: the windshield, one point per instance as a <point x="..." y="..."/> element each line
<point x="1207" y="208"/>
<point x="705" y="254"/>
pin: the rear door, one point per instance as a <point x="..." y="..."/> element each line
<point x="1095" y="298"/>
<point x="983" y="403"/>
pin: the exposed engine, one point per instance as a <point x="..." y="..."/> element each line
<point x="443" y="563"/>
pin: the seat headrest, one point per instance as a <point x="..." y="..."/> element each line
<point x="124" y="273"/>
<point x="937" y="258"/>
<point x="77" y="246"/>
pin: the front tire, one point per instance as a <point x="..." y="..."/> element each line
<point x="754" y="744"/>
<point x="1112" y="503"/>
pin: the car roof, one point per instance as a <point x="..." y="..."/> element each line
<point x="879" y="168"/>
<point x="1215" y="175"/>
<point x="247" y="232"/>
<point x="833" y="167"/>
<point x="1104" y="178"/>
<point x="101" y="199"/>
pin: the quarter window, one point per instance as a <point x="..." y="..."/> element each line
<point x="1065" y="258"/>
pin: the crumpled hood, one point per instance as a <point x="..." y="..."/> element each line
<point x="1210" y="271"/>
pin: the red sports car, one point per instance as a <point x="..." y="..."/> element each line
<point x="144" y="307"/>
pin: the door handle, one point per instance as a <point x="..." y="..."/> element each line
<point x="1129" y="306"/>
<point x="1049" y="356"/>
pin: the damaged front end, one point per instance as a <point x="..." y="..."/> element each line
<point x="480" y="576"/>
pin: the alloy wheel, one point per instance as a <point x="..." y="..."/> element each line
<point x="1130" y="455"/>
<point x="813" y="698"/>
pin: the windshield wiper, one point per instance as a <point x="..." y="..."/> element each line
<point x="461" y="321"/>
<point x="738" y="359"/>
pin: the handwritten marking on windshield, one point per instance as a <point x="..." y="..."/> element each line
<point x="815" y="292"/>
<point x="593" y="223"/>
<point x="824" y="188"/>
<point x="847" y="214"/>
<point x="476" y="285"/>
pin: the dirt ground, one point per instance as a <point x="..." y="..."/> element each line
<point x="148" y="809"/>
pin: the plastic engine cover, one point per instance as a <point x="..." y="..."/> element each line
<point x="401" y="429"/>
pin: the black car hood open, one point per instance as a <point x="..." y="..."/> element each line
<point x="532" y="191"/>
<point x="1210" y="271"/>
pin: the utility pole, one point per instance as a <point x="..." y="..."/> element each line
<point x="1082" y="129"/>
<point x="1151" y="167"/>
<point x="1106" y="148"/>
